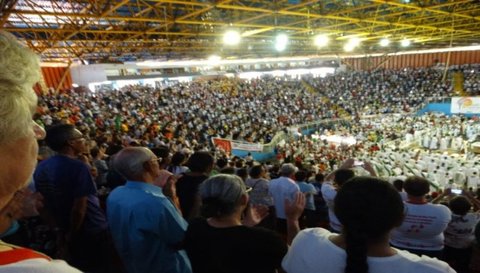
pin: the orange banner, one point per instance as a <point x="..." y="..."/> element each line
<point x="223" y="144"/>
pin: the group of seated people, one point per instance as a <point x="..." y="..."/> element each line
<point x="246" y="110"/>
<point x="393" y="91"/>
<point x="183" y="208"/>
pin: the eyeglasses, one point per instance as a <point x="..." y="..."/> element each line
<point x="156" y="159"/>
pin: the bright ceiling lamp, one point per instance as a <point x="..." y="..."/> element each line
<point x="281" y="42"/>
<point x="384" y="42"/>
<point x="321" y="40"/>
<point x="405" y="42"/>
<point x="348" y="47"/>
<point x="231" y="37"/>
<point x="352" y="44"/>
<point x="214" y="60"/>
<point x="354" y="41"/>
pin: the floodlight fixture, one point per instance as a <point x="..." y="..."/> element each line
<point x="321" y="40"/>
<point x="384" y="42"/>
<point x="405" y="42"/>
<point x="231" y="37"/>
<point x="281" y="42"/>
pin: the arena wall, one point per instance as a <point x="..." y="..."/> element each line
<point x="412" y="60"/>
<point x="52" y="77"/>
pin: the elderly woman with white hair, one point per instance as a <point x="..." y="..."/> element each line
<point x="19" y="71"/>
<point x="226" y="241"/>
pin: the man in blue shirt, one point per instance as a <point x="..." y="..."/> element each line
<point x="309" y="191"/>
<point x="70" y="198"/>
<point x="146" y="227"/>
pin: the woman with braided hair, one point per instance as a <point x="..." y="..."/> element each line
<point x="369" y="209"/>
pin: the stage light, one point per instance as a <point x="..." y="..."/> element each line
<point x="281" y="42"/>
<point x="214" y="60"/>
<point x="231" y="37"/>
<point x="321" y="40"/>
<point x="384" y="42"/>
<point x="405" y="42"/>
<point x="348" y="47"/>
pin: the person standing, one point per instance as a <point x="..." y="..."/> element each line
<point x="146" y="227"/>
<point x="422" y="229"/>
<point x="281" y="189"/>
<point x="224" y="242"/>
<point x="259" y="195"/>
<point x="70" y="197"/>
<point x="200" y="165"/>
<point x="309" y="191"/>
<point x="368" y="209"/>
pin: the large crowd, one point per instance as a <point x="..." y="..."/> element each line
<point x="393" y="91"/>
<point x="128" y="181"/>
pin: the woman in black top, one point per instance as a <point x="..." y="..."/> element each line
<point x="224" y="242"/>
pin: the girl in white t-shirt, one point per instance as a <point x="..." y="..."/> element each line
<point x="368" y="208"/>
<point x="459" y="235"/>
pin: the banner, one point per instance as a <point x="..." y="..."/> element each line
<point x="465" y="105"/>
<point x="223" y="144"/>
<point x="252" y="147"/>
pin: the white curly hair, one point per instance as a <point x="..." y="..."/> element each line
<point x="19" y="71"/>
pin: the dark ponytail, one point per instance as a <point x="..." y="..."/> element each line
<point x="368" y="209"/>
<point x="356" y="248"/>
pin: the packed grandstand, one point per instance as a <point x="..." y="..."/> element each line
<point x="368" y="120"/>
<point x="355" y="170"/>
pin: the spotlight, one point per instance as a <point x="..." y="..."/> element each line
<point x="405" y="42"/>
<point x="214" y="60"/>
<point x="354" y="41"/>
<point x="281" y="42"/>
<point x="321" y="40"/>
<point x="348" y="47"/>
<point x="231" y="37"/>
<point x="384" y="42"/>
<point x="351" y="44"/>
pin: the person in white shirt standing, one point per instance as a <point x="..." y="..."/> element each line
<point x="422" y="229"/>
<point x="368" y="208"/>
<point x="339" y="177"/>
<point x="281" y="189"/>
<point x="329" y="192"/>
<point x="459" y="235"/>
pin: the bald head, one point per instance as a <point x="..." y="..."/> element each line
<point x="131" y="162"/>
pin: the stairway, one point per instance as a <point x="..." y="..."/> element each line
<point x="457" y="81"/>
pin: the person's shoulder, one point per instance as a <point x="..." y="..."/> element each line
<point x="441" y="208"/>
<point x="198" y="223"/>
<point x="261" y="231"/>
<point x="311" y="234"/>
<point x="265" y="236"/>
<point x="424" y="263"/>
<point x="39" y="266"/>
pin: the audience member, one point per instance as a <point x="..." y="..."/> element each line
<point x="281" y="189"/>
<point x="224" y="242"/>
<point x="421" y="232"/>
<point x="19" y="71"/>
<point x="363" y="244"/>
<point x="459" y="235"/>
<point x="70" y="197"/>
<point x="200" y="165"/>
<point x="146" y="227"/>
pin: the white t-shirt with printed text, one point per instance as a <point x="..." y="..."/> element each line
<point x="460" y="230"/>
<point x="423" y="227"/>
